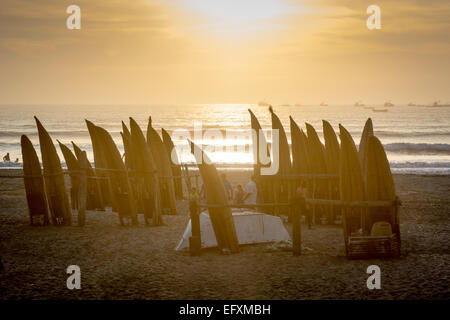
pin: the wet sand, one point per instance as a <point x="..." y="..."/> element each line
<point x="141" y="263"/>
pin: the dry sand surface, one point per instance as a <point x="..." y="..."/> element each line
<point x="141" y="263"/>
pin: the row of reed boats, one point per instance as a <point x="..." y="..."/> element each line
<point x="145" y="181"/>
<point x="148" y="182"/>
<point x="336" y="171"/>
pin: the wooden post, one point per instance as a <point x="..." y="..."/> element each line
<point x="111" y="193"/>
<point x="296" y="229"/>
<point x="157" y="213"/>
<point x="195" y="241"/>
<point x="187" y="178"/>
<point x="344" y="227"/>
<point x="330" y="208"/>
<point x="196" y="182"/>
<point x="99" y="193"/>
<point x="291" y="195"/>
<point x="131" y="205"/>
<point x="397" y="225"/>
<point x="276" y="196"/>
<point x="314" y="206"/>
<point x="82" y="190"/>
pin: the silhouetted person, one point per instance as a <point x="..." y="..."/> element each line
<point x="227" y="185"/>
<point x="251" y="192"/>
<point x="203" y="192"/>
<point x="6" y="158"/>
<point x="239" y="194"/>
<point x="193" y="198"/>
<point x="300" y="198"/>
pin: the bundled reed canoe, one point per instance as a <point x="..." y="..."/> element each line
<point x="332" y="151"/>
<point x="34" y="184"/>
<point x="100" y="163"/>
<point x="163" y="164"/>
<point x="351" y="183"/>
<point x="264" y="186"/>
<point x="316" y="151"/>
<point x="126" y="139"/>
<point x="281" y="186"/>
<point x="331" y="148"/>
<point x="54" y="179"/>
<point x="316" y="154"/>
<point x="221" y="218"/>
<point x="94" y="198"/>
<point x="122" y="190"/>
<point x="300" y="159"/>
<point x="74" y="167"/>
<point x="146" y="176"/>
<point x="367" y="132"/>
<point x="176" y="167"/>
<point x="379" y="185"/>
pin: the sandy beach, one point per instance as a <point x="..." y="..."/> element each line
<point x="141" y="263"/>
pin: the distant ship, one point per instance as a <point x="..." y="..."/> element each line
<point x="263" y="104"/>
<point x="379" y="110"/>
<point x="388" y="104"/>
<point x="359" y="104"/>
<point x="323" y="104"/>
<point x="437" y="104"/>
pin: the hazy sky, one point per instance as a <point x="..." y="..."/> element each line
<point x="224" y="51"/>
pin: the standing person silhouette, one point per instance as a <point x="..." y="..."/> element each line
<point x="227" y="186"/>
<point x="300" y="197"/>
<point x="251" y="191"/>
<point x="239" y="194"/>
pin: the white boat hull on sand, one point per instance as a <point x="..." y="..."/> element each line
<point x="251" y="227"/>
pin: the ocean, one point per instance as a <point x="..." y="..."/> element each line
<point x="416" y="138"/>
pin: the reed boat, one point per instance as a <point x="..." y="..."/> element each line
<point x="379" y="184"/>
<point x="300" y="158"/>
<point x="34" y="184"/>
<point x="316" y="154"/>
<point x="122" y="190"/>
<point x="94" y="195"/>
<point x="126" y="140"/>
<point x="100" y="162"/>
<point x="264" y="186"/>
<point x="176" y="167"/>
<point x="221" y="218"/>
<point x="164" y="166"/>
<point x="367" y="132"/>
<point x="351" y="184"/>
<point x="74" y="172"/>
<point x="146" y="176"/>
<point x="332" y="154"/>
<point x="54" y="179"/>
<point x="281" y="186"/>
<point x="331" y="148"/>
